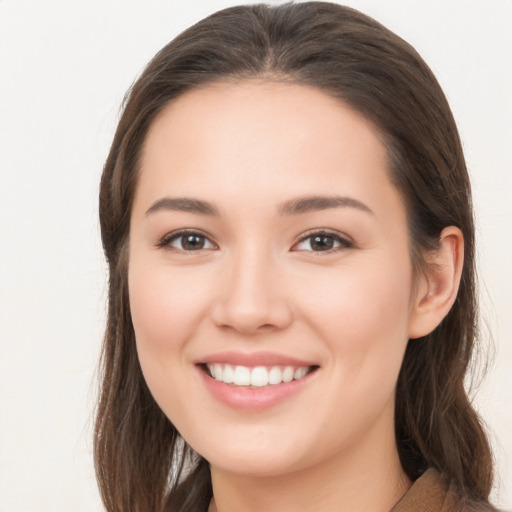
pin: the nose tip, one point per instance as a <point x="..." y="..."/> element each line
<point x="247" y="321"/>
<point x="249" y="316"/>
<point x="251" y="302"/>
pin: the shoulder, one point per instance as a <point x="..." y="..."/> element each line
<point x="432" y="493"/>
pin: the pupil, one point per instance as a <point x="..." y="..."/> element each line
<point x="322" y="243"/>
<point x="193" y="242"/>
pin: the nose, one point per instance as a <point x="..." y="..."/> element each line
<point x="252" y="296"/>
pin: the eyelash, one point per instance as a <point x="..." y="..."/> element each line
<point x="165" y="242"/>
<point x="344" y="243"/>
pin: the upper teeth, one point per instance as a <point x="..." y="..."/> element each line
<point x="258" y="376"/>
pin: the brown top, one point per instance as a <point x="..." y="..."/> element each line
<point x="430" y="493"/>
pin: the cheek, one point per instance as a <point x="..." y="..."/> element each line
<point x="363" y="313"/>
<point x="167" y="307"/>
<point x="165" y="304"/>
<point x="363" y="320"/>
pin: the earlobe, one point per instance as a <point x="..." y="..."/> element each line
<point x="439" y="285"/>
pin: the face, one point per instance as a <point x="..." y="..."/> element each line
<point x="270" y="277"/>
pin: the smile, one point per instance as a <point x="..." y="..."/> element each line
<point x="258" y="376"/>
<point x="253" y="382"/>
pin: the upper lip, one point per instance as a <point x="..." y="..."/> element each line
<point x="253" y="359"/>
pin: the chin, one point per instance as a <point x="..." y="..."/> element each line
<point x="253" y="455"/>
<point x="264" y="465"/>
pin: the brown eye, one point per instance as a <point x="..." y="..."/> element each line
<point x="186" y="241"/>
<point x="192" y="242"/>
<point x="322" y="242"/>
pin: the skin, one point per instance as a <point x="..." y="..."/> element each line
<point x="257" y="285"/>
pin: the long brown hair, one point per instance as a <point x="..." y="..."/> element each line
<point x="141" y="462"/>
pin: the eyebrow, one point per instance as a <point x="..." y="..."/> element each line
<point x="292" y="207"/>
<point x="184" y="204"/>
<point x="316" y="203"/>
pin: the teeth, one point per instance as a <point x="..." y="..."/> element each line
<point x="228" y="375"/>
<point x="217" y="371"/>
<point x="275" y="375"/>
<point x="288" y="374"/>
<point x="259" y="376"/>
<point x="299" y="373"/>
<point x="242" y="376"/>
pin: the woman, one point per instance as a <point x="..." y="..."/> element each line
<point x="286" y="215"/>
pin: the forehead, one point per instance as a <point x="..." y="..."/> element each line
<point x="224" y="112"/>
<point x="266" y="138"/>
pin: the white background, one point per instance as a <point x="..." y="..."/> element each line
<point x="64" y="67"/>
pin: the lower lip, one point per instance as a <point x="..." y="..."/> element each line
<point x="254" y="399"/>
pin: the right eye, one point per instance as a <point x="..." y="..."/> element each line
<point x="187" y="241"/>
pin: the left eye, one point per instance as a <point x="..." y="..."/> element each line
<point x="187" y="241"/>
<point x="322" y="242"/>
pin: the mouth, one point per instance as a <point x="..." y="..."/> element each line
<point x="257" y="381"/>
<point x="257" y="376"/>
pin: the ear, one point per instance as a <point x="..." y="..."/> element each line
<point x="438" y="286"/>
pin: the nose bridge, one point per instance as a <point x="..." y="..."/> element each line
<point x="251" y="276"/>
<point x="251" y="297"/>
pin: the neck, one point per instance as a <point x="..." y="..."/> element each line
<point x="371" y="482"/>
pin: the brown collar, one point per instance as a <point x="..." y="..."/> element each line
<point x="430" y="493"/>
